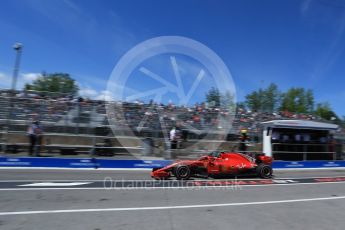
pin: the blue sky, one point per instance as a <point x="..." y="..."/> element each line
<point x="293" y="43"/>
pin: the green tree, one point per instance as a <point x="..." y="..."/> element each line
<point x="310" y="101"/>
<point x="271" y="98"/>
<point x="254" y="100"/>
<point x="324" y="111"/>
<point x="298" y="100"/>
<point x="213" y="97"/>
<point x="264" y="99"/>
<point x="227" y="101"/>
<point x="54" y="82"/>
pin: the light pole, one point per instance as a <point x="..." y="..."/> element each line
<point x="18" y="48"/>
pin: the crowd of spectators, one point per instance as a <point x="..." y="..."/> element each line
<point x="43" y="106"/>
<point x="154" y="116"/>
<point x="140" y="116"/>
<point x="246" y="119"/>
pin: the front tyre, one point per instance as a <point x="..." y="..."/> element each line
<point x="264" y="171"/>
<point x="182" y="172"/>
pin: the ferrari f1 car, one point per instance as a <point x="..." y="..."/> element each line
<point x="216" y="164"/>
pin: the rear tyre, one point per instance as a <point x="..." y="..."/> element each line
<point x="264" y="171"/>
<point x="182" y="172"/>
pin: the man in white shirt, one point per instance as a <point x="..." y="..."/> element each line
<point x="173" y="134"/>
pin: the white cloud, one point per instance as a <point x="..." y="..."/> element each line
<point x="105" y="95"/>
<point x="5" y="81"/>
<point x="29" y="77"/>
<point x="87" y="92"/>
<point x="92" y="93"/>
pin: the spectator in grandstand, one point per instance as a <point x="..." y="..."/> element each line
<point x="35" y="133"/>
<point x="173" y="138"/>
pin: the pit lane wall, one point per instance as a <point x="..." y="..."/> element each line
<point x="39" y="162"/>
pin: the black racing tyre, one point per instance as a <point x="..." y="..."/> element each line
<point x="264" y="171"/>
<point x="182" y="172"/>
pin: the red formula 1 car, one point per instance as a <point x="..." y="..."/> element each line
<point x="217" y="164"/>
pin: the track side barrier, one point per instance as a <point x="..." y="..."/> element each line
<point x="39" y="162"/>
<point x="79" y="163"/>
<point x="308" y="164"/>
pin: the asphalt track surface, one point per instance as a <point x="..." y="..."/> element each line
<point x="98" y="199"/>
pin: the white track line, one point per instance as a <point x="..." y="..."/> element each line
<point x="231" y="187"/>
<point x="151" y="180"/>
<point x="54" y="184"/>
<point x="80" y="169"/>
<point x="167" y="207"/>
<point x="149" y="169"/>
<point x="55" y="180"/>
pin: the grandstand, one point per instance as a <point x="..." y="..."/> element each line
<point x="77" y="125"/>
